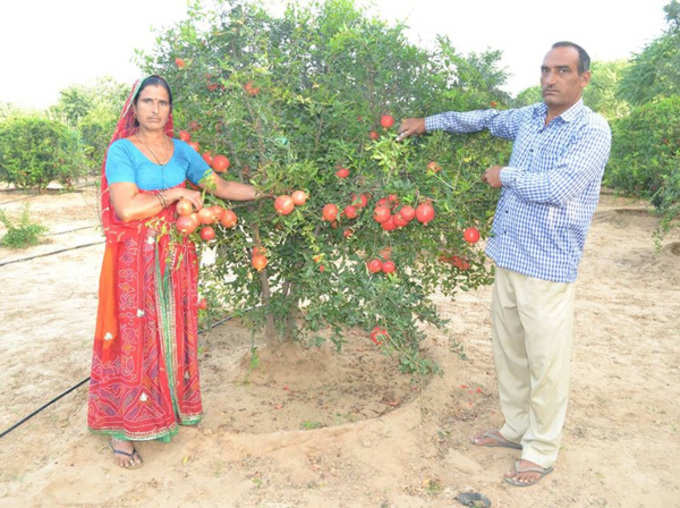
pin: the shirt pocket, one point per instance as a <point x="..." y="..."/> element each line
<point x="556" y="218"/>
<point x="547" y="159"/>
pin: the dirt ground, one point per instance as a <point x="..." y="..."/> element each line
<point x="318" y="429"/>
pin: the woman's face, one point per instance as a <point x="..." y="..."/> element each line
<point x="153" y="107"/>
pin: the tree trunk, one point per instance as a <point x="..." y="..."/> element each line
<point x="269" y="329"/>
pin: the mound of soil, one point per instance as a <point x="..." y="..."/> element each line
<point x="286" y="386"/>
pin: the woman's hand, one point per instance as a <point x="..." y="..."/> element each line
<point x="190" y="195"/>
<point x="234" y="191"/>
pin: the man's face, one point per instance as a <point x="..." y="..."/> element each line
<point x="561" y="83"/>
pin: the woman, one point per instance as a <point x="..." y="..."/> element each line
<point x="144" y="379"/>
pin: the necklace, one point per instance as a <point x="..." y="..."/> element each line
<point x="155" y="158"/>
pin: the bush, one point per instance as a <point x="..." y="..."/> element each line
<point x="93" y="111"/>
<point x="600" y="94"/>
<point x="667" y="199"/>
<point x="645" y="158"/>
<point x="21" y="235"/>
<point x="654" y="72"/>
<point x="95" y="129"/>
<point x="34" y="151"/>
<point x="292" y="100"/>
<point x="644" y="147"/>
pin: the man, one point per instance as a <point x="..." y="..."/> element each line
<point x="549" y="191"/>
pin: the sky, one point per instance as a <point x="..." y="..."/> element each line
<point x="49" y="45"/>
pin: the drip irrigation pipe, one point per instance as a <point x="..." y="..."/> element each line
<point x="52" y="253"/>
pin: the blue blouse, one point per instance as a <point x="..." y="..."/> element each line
<point x="126" y="163"/>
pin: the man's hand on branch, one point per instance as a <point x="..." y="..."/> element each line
<point x="411" y="127"/>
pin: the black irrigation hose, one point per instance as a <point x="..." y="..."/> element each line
<point x="51" y="253"/>
<point x="45" y="406"/>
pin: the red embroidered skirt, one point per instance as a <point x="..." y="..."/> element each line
<point x="144" y="379"/>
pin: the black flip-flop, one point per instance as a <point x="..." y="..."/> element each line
<point x="132" y="455"/>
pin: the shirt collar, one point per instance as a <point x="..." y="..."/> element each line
<point x="568" y="116"/>
<point x="573" y="111"/>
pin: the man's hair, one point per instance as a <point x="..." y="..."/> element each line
<point x="583" y="58"/>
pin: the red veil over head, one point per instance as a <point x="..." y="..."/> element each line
<point x="126" y="127"/>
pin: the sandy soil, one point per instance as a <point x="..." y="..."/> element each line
<point x="318" y="429"/>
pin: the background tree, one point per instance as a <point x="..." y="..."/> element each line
<point x="528" y="96"/>
<point x="656" y="70"/>
<point x="73" y="104"/>
<point x="645" y="159"/>
<point x="92" y="110"/>
<point x="600" y="94"/>
<point x="9" y="110"/>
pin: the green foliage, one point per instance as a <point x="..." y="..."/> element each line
<point x="645" y="158"/>
<point x="74" y="103"/>
<point x="34" y="151"/>
<point x="528" y="96"/>
<point x="644" y="145"/>
<point x="93" y="110"/>
<point x="667" y="199"/>
<point x="9" y="110"/>
<point x="324" y="75"/>
<point x="96" y="129"/>
<point x="310" y="425"/>
<point x="22" y="234"/>
<point x="77" y="101"/>
<point x="672" y="10"/>
<point x="600" y="94"/>
<point x="476" y="74"/>
<point x="655" y="72"/>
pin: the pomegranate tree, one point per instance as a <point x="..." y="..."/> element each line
<point x="306" y="107"/>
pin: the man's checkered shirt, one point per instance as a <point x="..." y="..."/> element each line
<point x="551" y="185"/>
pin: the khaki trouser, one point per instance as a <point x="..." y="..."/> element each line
<point x="532" y="324"/>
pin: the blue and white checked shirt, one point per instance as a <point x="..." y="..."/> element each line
<point x="550" y="187"/>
